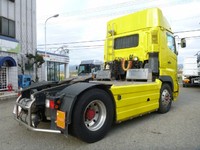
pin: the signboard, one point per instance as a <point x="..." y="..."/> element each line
<point x="9" y="45"/>
<point x="54" y="57"/>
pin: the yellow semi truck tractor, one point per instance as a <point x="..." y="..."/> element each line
<point x="139" y="77"/>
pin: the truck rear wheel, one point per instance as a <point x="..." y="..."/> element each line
<point x="165" y="98"/>
<point x="92" y="115"/>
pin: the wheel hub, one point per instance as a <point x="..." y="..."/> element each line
<point x="90" y="114"/>
<point x="166" y="98"/>
<point x="94" y="115"/>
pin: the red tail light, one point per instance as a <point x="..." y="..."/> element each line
<point x="51" y="104"/>
<point x="54" y="104"/>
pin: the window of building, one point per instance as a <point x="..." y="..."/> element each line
<point x="55" y="71"/>
<point x="4" y="26"/>
<point x="126" y="41"/>
<point x="11" y="28"/>
<point x="171" y="43"/>
<point x="12" y="1"/>
<point x="7" y="27"/>
<point x="3" y="78"/>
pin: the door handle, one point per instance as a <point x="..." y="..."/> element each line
<point x="169" y="62"/>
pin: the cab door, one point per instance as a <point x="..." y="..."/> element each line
<point x="172" y="59"/>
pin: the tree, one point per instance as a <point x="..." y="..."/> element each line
<point x="21" y="65"/>
<point x="37" y="60"/>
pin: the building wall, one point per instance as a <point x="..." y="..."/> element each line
<point x="23" y="12"/>
<point x="54" y="59"/>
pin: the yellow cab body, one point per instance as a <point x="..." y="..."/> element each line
<point x="145" y="35"/>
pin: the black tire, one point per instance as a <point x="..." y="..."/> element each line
<point x="165" y="100"/>
<point x="92" y="115"/>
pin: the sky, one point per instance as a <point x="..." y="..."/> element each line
<point x="81" y="25"/>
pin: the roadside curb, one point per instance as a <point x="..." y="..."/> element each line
<point x="8" y="96"/>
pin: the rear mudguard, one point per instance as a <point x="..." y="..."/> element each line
<point x="71" y="94"/>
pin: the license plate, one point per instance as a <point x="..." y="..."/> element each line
<point x="60" y="120"/>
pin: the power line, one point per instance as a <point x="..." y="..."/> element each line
<point x="190" y="37"/>
<point x="187" y="31"/>
<point x="102" y="8"/>
<point x="72" y="48"/>
<point x="102" y="40"/>
<point x="82" y="47"/>
<point x="108" y="10"/>
<point x="78" y="46"/>
<point x="120" y="6"/>
<point x="76" y="42"/>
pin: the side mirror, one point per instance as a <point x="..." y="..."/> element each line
<point x="183" y="43"/>
<point x="76" y="67"/>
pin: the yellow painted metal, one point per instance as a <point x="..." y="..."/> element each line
<point x="152" y="28"/>
<point x="168" y="62"/>
<point x="145" y="23"/>
<point x="136" y="99"/>
<point x="60" y="120"/>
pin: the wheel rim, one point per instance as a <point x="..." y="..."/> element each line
<point x="94" y="115"/>
<point x="166" y="97"/>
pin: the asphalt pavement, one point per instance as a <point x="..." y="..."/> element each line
<point x="178" y="129"/>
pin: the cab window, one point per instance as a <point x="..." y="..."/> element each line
<point x="126" y="41"/>
<point x="171" y="43"/>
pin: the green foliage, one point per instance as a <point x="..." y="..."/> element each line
<point x="37" y="60"/>
<point x="30" y="56"/>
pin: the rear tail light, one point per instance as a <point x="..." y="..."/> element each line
<point x="53" y="104"/>
<point x="57" y="104"/>
<point x="47" y="103"/>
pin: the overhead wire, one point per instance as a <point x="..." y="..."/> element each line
<point x="119" y="9"/>
<point x="103" y="8"/>
<point x="102" y="40"/>
<point x="78" y="46"/>
<point x="192" y="37"/>
<point x="185" y="31"/>
<point x="104" y="11"/>
<point x="75" y="42"/>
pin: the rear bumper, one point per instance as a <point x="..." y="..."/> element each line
<point x="36" y="129"/>
<point x="27" y="119"/>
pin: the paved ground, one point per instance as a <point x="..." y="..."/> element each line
<point x="178" y="129"/>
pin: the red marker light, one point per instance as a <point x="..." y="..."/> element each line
<point x="51" y="104"/>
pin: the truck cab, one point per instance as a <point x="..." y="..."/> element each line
<point x="144" y="43"/>
<point x="89" y="67"/>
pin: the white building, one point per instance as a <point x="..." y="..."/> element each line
<point x="17" y="38"/>
<point x="55" y="67"/>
